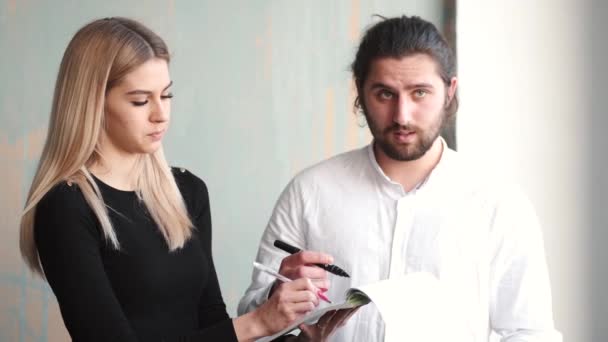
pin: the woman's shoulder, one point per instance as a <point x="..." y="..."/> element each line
<point x="63" y="211"/>
<point x="63" y="196"/>
<point x="192" y="188"/>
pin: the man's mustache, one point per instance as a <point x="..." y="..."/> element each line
<point x="400" y="128"/>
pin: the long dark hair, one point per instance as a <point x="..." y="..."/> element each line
<point x="400" y="37"/>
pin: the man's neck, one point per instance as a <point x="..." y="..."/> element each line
<point x="410" y="173"/>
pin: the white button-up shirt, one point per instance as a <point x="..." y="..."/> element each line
<point x="479" y="236"/>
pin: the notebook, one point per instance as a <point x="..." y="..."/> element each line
<point x="415" y="295"/>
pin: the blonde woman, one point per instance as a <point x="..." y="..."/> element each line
<point x="124" y="240"/>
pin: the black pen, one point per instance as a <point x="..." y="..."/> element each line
<point x="293" y="250"/>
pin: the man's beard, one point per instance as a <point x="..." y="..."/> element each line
<point x="407" y="151"/>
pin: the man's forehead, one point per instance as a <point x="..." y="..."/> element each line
<point x="413" y="68"/>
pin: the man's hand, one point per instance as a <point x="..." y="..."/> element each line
<point x="301" y="265"/>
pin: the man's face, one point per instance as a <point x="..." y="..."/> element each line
<point x="404" y="101"/>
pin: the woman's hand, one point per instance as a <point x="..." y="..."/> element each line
<point x="288" y="302"/>
<point x="326" y="326"/>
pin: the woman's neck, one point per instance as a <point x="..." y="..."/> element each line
<point x="117" y="169"/>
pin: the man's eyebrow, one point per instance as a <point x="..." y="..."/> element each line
<point x="420" y="85"/>
<point x="380" y="85"/>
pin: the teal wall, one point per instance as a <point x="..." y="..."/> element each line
<point x="262" y="90"/>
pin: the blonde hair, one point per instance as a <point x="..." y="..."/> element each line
<point x="99" y="55"/>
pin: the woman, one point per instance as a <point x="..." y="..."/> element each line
<point x="124" y="240"/>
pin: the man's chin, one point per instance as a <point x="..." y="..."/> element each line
<point x="402" y="152"/>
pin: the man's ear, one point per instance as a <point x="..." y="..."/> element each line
<point x="451" y="90"/>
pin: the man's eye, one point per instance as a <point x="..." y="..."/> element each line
<point x="139" y="103"/>
<point x="420" y="93"/>
<point x="387" y="95"/>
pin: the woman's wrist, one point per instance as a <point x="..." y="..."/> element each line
<point x="250" y="326"/>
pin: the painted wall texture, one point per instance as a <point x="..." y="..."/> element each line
<point x="262" y="90"/>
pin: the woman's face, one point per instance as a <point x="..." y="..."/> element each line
<point x="137" y="110"/>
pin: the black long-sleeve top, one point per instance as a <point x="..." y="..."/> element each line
<point x="142" y="292"/>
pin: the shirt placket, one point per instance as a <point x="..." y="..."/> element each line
<point x="403" y="226"/>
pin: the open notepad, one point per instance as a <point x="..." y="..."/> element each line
<point x="354" y="297"/>
<point x="412" y="306"/>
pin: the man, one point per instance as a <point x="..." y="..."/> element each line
<point x="407" y="203"/>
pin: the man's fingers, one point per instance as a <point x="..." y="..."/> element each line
<point x="303" y="271"/>
<point x="307" y="257"/>
<point x="321" y="284"/>
<point x="317" y="275"/>
<point x="312" y="257"/>
<point x="301" y="284"/>
<point x="311" y="272"/>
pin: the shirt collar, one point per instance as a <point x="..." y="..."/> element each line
<point x="394" y="189"/>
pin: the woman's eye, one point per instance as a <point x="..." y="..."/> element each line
<point x="139" y="103"/>
<point x="143" y="103"/>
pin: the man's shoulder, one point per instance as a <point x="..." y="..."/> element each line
<point x="340" y="166"/>
<point x="477" y="176"/>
